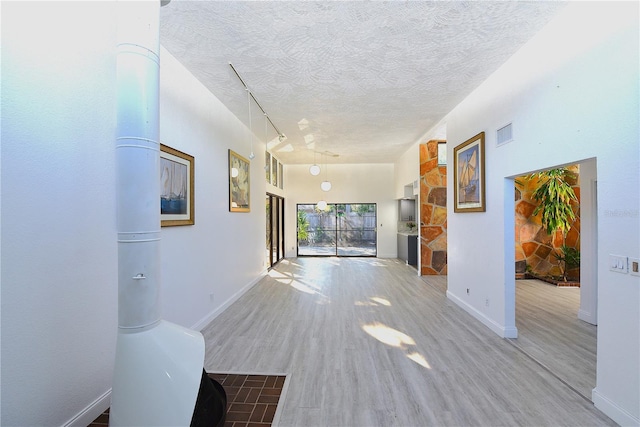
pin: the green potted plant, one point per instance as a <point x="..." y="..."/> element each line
<point x="554" y="195"/>
<point x="568" y="258"/>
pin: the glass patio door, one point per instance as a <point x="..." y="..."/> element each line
<point x="347" y="229"/>
<point x="275" y="229"/>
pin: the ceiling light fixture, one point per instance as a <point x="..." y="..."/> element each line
<point x="281" y="136"/>
<point x="326" y="184"/>
<point x="314" y="169"/>
<point x="322" y="205"/>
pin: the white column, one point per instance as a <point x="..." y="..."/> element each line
<point x="158" y="365"/>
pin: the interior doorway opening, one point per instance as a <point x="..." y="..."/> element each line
<point x="341" y="229"/>
<point x="556" y="325"/>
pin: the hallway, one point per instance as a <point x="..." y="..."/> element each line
<point x="366" y="342"/>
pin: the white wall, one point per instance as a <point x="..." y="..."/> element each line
<point x="407" y="170"/>
<point x="223" y="252"/>
<point x="572" y="94"/>
<point x="59" y="252"/>
<point x="358" y="183"/>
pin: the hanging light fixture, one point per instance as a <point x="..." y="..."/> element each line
<point x="281" y="136"/>
<point x="322" y="205"/>
<point x="266" y="119"/>
<point x="251" y="155"/>
<point x="326" y="184"/>
<point x="314" y="169"/>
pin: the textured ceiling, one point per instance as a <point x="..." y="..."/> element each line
<point x="364" y="80"/>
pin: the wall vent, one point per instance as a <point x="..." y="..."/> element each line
<point x="504" y="135"/>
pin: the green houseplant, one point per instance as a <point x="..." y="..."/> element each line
<point x="554" y="195"/>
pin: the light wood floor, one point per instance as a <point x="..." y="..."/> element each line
<point x="366" y="342"/>
<point x="550" y="332"/>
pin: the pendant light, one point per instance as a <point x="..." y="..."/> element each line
<point x="314" y="169"/>
<point x="326" y="184"/>
<point x="322" y="205"/>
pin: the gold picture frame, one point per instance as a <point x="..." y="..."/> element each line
<point x="468" y="177"/>
<point x="177" y="183"/>
<point x="239" y="183"/>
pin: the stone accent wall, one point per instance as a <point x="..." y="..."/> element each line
<point x="433" y="211"/>
<point x="534" y="247"/>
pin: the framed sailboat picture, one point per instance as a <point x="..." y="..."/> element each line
<point x="176" y="187"/>
<point x="468" y="179"/>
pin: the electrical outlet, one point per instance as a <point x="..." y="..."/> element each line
<point x="634" y="266"/>
<point x="486" y="302"/>
<point x="467" y="291"/>
<point x="618" y="263"/>
<point x="211" y="296"/>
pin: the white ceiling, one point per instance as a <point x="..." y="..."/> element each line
<point x="364" y="80"/>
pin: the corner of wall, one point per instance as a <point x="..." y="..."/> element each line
<point x="613" y="411"/>
<point x="501" y="330"/>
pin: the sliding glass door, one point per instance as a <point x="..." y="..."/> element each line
<point x="347" y="229"/>
<point x="275" y="229"/>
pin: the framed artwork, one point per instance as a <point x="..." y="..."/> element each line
<point x="239" y="183"/>
<point x="468" y="180"/>
<point x="176" y="187"/>
<point x="267" y="166"/>
<point x="274" y="171"/>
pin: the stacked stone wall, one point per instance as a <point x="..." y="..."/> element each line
<point x="433" y="211"/>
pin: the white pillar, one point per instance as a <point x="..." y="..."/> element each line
<point x="138" y="163"/>
<point x="158" y="365"/>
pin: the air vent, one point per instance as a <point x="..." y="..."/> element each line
<point x="504" y="135"/>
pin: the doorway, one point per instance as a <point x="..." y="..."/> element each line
<point x="275" y="229"/>
<point x="556" y="325"/>
<point x="342" y="229"/>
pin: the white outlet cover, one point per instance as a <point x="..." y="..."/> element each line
<point x="634" y="266"/>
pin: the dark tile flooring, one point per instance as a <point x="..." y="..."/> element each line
<point x="251" y="399"/>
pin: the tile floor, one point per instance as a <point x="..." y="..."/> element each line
<point x="252" y="400"/>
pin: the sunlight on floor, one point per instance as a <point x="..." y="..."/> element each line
<point x="388" y="335"/>
<point x="394" y="338"/>
<point x="374" y="302"/>
<point x="419" y="359"/>
<point x="291" y="280"/>
<point x="381" y="301"/>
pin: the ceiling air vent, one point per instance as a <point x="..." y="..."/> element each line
<point x="504" y="135"/>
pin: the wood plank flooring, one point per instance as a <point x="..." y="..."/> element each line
<point x="369" y="343"/>
<point x="549" y="331"/>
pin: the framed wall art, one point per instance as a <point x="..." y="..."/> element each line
<point x="239" y="183"/>
<point x="177" y="205"/>
<point x="468" y="179"/>
<point x="267" y="166"/>
<point x="274" y="171"/>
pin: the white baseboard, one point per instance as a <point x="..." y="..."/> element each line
<point x="587" y="316"/>
<point x="200" y="325"/>
<point x="389" y="255"/>
<point x="91" y="412"/>
<point x="613" y="411"/>
<point x="502" y="331"/>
